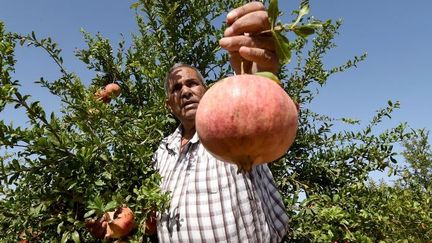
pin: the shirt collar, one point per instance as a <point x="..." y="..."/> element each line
<point x="173" y="141"/>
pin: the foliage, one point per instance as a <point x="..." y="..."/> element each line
<point x="374" y="213"/>
<point x="366" y="213"/>
<point x="90" y="156"/>
<point x="418" y="154"/>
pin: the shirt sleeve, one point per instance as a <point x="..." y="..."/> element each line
<point x="271" y="201"/>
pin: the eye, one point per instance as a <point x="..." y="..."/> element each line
<point x="192" y="83"/>
<point x="176" y="88"/>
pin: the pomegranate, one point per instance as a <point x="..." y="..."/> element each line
<point x="113" y="90"/>
<point x="102" y="95"/>
<point x="120" y="223"/>
<point x="110" y="91"/>
<point x="97" y="226"/>
<point x="246" y="120"/>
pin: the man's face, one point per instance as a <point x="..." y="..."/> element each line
<point x="184" y="93"/>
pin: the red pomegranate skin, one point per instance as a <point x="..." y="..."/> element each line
<point x="121" y="224"/>
<point x="103" y="95"/>
<point x="246" y="120"/>
<point x="113" y="89"/>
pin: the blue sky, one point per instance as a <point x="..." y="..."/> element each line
<point x="395" y="34"/>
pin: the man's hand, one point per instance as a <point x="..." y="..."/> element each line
<point x="243" y="41"/>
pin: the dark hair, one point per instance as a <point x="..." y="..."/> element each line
<point x="179" y="65"/>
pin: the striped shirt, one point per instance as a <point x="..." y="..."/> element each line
<point x="211" y="202"/>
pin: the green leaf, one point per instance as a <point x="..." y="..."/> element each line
<point x="35" y="211"/>
<point x="72" y="186"/>
<point x="390" y="171"/>
<point x="110" y="206"/>
<point x="304" y="9"/>
<point x="22" y="40"/>
<point x="273" y="12"/>
<point x="60" y="227"/>
<point x="99" y="183"/>
<point x="107" y="175"/>
<point x="97" y="204"/>
<point x="76" y="237"/>
<point x="89" y="213"/>
<point x="65" y="237"/>
<point x="283" y="49"/>
<point x="269" y="75"/>
<point x="135" y="5"/>
<point x="304" y="31"/>
<point x="49" y="221"/>
<point x="304" y="6"/>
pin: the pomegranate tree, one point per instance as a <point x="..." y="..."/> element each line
<point x="246" y="120"/>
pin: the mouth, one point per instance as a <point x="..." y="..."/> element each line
<point x="189" y="104"/>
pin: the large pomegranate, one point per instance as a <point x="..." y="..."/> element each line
<point x="246" y="120"/>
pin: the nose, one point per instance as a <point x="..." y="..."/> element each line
<point x="186" y="92"/>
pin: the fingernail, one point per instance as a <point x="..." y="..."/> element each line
<point x="223" y="42"/>
<point x="228" y="31"/>
<point x="231" y="15"/>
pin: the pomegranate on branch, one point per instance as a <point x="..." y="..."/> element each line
<point x="110" y="91"/>
<point x="113" y="224"/>
<point x="120" y="223"/>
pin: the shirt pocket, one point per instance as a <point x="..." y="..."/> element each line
<point x="210" y="178"/>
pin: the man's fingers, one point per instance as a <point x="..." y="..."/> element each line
<point x="236" y="62"/>
<point x="254" y="22"/>
<point x="265" y="60"/>
<point x="243" y="10"/>
<point x="246" y="42"/>
<point x="234" y="43"/>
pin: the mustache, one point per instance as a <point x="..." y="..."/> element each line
<point x="189" y="102"/>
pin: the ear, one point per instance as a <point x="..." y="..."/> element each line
<point x="168" y="105"/>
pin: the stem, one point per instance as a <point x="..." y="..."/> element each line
<point x="242" y="66"/>
<point x="276" y="28"/>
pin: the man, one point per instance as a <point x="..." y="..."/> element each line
<point x="211" y="202"/>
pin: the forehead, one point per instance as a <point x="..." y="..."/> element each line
<point x="182" y="74"/>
